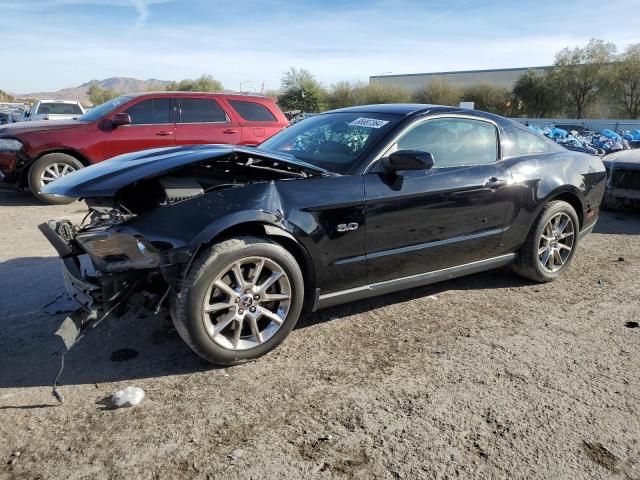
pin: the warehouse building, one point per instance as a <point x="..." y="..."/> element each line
<point x="503" y="77"/>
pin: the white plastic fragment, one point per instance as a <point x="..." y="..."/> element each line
<point x="129" y="397"/>
<point x="236" y="454"/>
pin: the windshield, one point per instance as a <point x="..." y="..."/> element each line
<point x="101" y="110"/>
<point x="332" y="141"/>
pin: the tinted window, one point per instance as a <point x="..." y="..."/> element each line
<point x="453" y="141"/>
<point x="201" y="110"/>
<point x="253" y="112"/>
<point x="528" y="143"/>
<point x="59" y="109"/>
<point x="149" y="112"/>
<point x="333" y="141"/>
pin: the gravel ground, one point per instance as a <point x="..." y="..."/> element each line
<point x="488" y="376"/>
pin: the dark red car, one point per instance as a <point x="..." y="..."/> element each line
<point x="35" y="153"/>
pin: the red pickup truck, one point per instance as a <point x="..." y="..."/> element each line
<point x="33" y="154"/>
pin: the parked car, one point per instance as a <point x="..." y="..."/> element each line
<point x="339" y="207"/>
<point x="53" y="110"/>
<point x="35" y="153"/>
<point x="5" y="117"/>
<point x="623" y="179"/>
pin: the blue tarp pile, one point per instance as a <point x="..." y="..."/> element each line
<point x="595" y="143"/>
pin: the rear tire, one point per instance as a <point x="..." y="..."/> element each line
<point x="239" y="301"/>
<point x="551" y="243"/>
<point x="48" y="168"/>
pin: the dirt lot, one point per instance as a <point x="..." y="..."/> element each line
<point x="487" y="376"/>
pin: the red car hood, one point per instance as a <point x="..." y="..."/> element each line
<point x="19" y="128"/>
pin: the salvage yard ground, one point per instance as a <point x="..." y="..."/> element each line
<point x="487" y="376"/>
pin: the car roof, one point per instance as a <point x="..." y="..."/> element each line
<point x="410" y="109"/>
<point x="238" y="96"/>
<point x="59" y="101"/>
<point x="397" y="108"/>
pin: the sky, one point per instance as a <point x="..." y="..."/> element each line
<point x="46" y="45"/>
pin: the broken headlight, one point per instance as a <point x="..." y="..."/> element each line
<point x="112" y="252"/>
<point x="10" y="144"/>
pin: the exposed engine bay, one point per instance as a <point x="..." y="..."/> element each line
<point x="193" y="180"/>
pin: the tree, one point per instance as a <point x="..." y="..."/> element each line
<point x="301" y="91"/>
<point x="581" y="74"/>
<point x="205" y="83"/>
<point x="625" y="87"/>
<point x="98" y="95"/>
<point x="438" y="92"/>
<point x="379" y="93"/>
<point x="489" y="98"/>
<point x="346" y="94"/>
<point x="341" y="95"/>
<point x="5" y="97"/>
<point x="536" y="94"/>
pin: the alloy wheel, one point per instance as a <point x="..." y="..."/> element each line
<point x="247" y="303"/>
<point x="55" y="171"/>
<point x="556" y="242"/>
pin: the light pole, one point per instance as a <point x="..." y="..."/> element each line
<point x="242" y="83"/>
<point x="379" y="75"/>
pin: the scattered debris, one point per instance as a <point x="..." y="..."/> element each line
<point x="61" y="304"/>
<point x="123" y="355"/>
<point x="631" y="324"/>
<point x="129" y="397"/>
<point x="236" y="454"/>
<point x="601" y="455"/>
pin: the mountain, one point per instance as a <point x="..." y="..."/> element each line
<point x="120" y="84"/>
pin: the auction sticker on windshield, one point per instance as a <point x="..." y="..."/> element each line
<point x="368" y="122"/>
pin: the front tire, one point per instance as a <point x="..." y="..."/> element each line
<point x="239" y="301"/>
<point x="551" y="243"/>
<point x="48" y="168"/>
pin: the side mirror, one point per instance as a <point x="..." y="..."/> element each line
<point x="120" y="119"/>
<point x="408" y="160"/>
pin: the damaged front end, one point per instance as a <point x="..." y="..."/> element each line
<point x="623" y="179"/>
<point x="149" y="213"/>
<point x="101" y="267"/>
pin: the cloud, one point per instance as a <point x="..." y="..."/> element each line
<point x="142" y="7"/>
<point x="259" y="39"/>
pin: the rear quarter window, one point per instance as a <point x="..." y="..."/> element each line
<point x="252" y="112"/>
<point x="523" y="142"/>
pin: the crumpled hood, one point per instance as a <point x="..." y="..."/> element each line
<point x="106" y="178"/>
<point x="15" y="129"/>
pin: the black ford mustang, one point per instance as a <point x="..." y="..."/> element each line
<point x="338" y="207"/>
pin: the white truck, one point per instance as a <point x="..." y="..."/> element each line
<point x="53" y="110"/>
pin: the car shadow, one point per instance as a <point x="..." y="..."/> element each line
<point x="618" y="222"/>
<point x="34" y="304"/>
<point x="15" y="198"/>
<point x="132" y="346"/>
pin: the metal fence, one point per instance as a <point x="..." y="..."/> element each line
<point x="596" y="124"/>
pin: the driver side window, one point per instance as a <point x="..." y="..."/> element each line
<point x="452" y="141"/>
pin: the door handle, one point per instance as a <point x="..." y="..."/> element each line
<point x="164" y="133"/>
<point x="230" y="130"/>
<point x="494" y="183"/>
